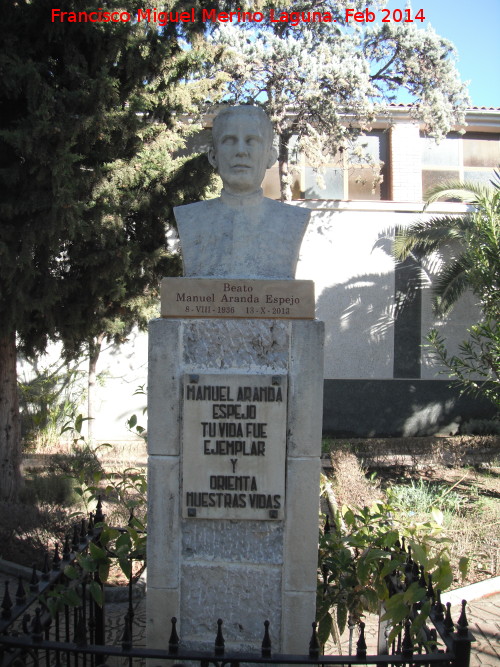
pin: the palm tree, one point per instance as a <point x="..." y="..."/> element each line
<point x="474" y="241"/>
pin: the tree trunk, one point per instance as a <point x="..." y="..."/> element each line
<point x="284" y="172"/>
<point x="10" y="432"/>
<point x="94" y="352"/>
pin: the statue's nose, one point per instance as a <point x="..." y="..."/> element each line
<point x="242" y="148"/>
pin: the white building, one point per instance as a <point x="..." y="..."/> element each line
<point x="378" y="381"/>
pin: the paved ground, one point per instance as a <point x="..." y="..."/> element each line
<point x="484" y="623"/>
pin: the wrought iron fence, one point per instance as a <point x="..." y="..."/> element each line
<point x="72" y="632"/>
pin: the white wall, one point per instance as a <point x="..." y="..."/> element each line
<point x="347" y="252"/>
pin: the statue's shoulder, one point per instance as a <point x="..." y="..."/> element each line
<point x="294" y="213"/>
<point x="193" y="211"/>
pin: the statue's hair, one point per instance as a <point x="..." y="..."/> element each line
<point x="256" y="111"/>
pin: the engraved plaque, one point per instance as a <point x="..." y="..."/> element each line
<point x="237" y="298"/>
<point x="234" y="446"/>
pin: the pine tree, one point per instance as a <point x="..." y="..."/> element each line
<point x="82" y="238"/>
<point x="324" y="83"/>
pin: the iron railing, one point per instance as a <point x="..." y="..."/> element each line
<point x="75" y="633"/>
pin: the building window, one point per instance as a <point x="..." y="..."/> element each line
<point x="346" y="177"/>
<point x="471" y="157"/>
<point x="349" y="177"/>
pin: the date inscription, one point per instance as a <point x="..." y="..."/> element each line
<point x="237" y="298"/>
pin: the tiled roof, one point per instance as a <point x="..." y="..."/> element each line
<point x="474" y="108"/>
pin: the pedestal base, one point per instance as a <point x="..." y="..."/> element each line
<point x="242" y="570"/>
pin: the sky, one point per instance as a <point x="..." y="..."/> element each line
<point x="474" y="28"/>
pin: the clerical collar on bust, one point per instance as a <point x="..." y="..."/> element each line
<point x="252" y="199"/>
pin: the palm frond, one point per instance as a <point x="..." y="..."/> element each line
<point x="424" y="237"/>
<point x="467" y="192"/>
<point x="451" y="282"/>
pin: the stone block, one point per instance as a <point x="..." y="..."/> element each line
<point x="239" y="541"/>
<point x="232" y="345"/>
<point x="243" y="596"/>
<point x="299" y="612"/>
<point x="163" y="521"/>
<point x="164" y="387"/>
<point x="305" y="402"/>
<point x="301" y="528"/>
<point x="161" y="605"/>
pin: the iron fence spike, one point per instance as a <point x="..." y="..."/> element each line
<point x="448" y="622"/>
<point x="56" y="560"/>
<point x="173" y="642"/>
<point x="80" y="638"/>
<point x="266" y="642"/>
<point x="6" y="602"/>
<point x="83" y="532"/>
<point x="361" y="643"/>
<point x="407" y="645"/>
<point x="36" y="626"/>
<point x="34" y="580"/>
<point x="439" y="606"/>
<point x="314" y="642"/>
<point x="46" y="568"/>
<point x="430" y="589"/>
<point x="463" y="623"/>
<point x="66" y="548"/>
<point x="99" y="516"/>
<point x="20" y="592"/>
<point x="25" y="624"/>
<point x="76" y="538"/>
<point x="127" y="633"/>
<point x="219" y="639"/>
<point x="433" y="639"/>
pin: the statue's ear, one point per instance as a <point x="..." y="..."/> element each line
<point x="272" y="157"/>
<point x="212" y="157"/>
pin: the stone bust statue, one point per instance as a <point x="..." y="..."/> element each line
<point x="241" y="234"/>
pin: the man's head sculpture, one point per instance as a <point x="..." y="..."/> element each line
<point x="242" y="148"/>
<point x="241" y="233"/>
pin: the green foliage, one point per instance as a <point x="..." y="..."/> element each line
<point x="88" y="178"/>
<point x="364" y="560"/>
<point x="47" y="488"/>
<point x="476" y="368"/>
<point x="423" y="497"/>
<point x="125" y="490"/>
<point x="473" y="240"/>
<point x="49" y="397"/>
<point x="132" y="422"/>
<point x="311" y="76"/>
<point x="480" y="427"/>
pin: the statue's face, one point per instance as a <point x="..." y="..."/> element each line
<point x="242" y="153"/>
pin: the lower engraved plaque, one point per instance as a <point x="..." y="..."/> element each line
<point x="234" y="446"/>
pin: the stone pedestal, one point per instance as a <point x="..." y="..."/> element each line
<point x="234" y="440"/>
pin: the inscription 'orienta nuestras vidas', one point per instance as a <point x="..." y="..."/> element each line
<point x="234" y="437"/>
